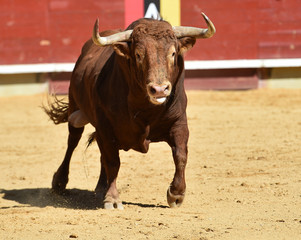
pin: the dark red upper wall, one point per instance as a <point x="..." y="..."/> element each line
<point x="247" y="29"/>
<point x="43" y="31"/>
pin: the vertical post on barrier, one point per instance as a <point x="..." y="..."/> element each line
<point x="152" y="9"/>
<point x="170" y="10"/>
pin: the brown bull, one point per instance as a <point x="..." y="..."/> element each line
<point x="130" y="86"/>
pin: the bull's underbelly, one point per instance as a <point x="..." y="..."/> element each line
<point x="130" y="138"/>
<point x="139" y="141"/>
<point x="140" y="146"/>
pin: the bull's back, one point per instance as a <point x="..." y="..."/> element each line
<point x="91" y="60"/>
<point x="85" y="74"/>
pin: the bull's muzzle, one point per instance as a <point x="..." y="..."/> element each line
<point x="158" y="93"/>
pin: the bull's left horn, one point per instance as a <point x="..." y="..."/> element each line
<point x="104" y="41"/>
<point x="196" y="32"/>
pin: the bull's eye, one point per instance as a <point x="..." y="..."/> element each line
<point x="171" y="56"/>
<point x="172" y="60"/>
<point x="138" y="57"/>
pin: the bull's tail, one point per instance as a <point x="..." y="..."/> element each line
<point x="91" y="139"/>
<point x="57" y="110"/>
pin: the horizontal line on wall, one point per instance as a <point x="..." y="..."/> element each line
<point x="233" y="64"/>
<point x="189" y="65"/>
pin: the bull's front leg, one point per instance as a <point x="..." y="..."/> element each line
<point x="106" y="188"/>
<point x="178" y="142"/>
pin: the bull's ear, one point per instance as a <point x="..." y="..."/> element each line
<point x="122" y="49"/>
<point x="186" y="44"/>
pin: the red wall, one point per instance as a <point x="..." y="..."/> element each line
<point x="247" y="29"/>
<point x="45" y="31"/>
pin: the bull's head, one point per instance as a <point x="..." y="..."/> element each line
<point x="155" y="50"/>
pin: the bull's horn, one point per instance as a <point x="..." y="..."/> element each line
<point x="196" y="32"/>
<point x="104" y="41"/>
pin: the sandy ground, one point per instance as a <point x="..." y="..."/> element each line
<point x="243" y="174"/>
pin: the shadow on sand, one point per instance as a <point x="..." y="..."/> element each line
<point x="71" y="198"/>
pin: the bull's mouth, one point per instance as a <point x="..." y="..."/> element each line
<point x="158" y="93"/>
<point x="158" y="100"/>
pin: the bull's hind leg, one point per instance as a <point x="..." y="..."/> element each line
<point x="60" y="178"/>
<point x="102" y="185"/>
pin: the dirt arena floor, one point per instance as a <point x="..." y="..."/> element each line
<point x="243" y="174"/>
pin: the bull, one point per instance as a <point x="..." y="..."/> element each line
<point x="130" y="86"/>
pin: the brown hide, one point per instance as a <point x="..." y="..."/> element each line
<point x="132" y="92"/>
<point x="112" y="90"/>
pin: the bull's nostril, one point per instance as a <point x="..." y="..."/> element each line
<point x="159" y="90"/>
<point x="167" y="88"/>
<point x="153" y="90"/>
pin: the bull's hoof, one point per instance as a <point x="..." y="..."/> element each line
<point x="59" y="185"/>
<point x="109" y="206"/>
<point x="174" y="200"/>
<point x="111" y="203"/>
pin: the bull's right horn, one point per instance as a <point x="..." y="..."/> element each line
<point x="109" y="40"/>
<point x="196" y="32"/>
